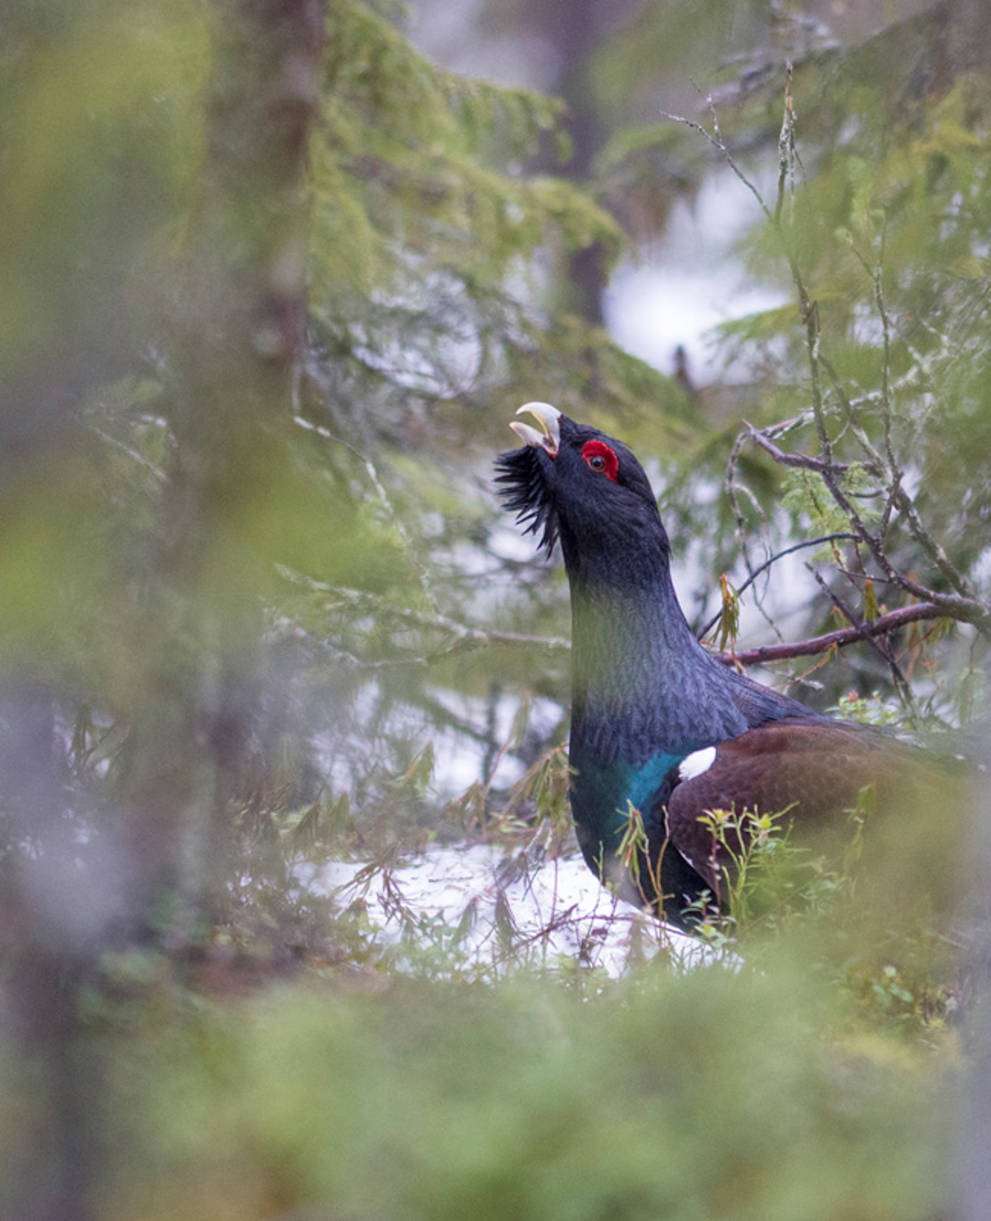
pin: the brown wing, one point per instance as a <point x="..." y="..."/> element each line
<point x="815" y="770"/>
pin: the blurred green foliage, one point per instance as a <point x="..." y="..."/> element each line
<point x="714" y="1095"/>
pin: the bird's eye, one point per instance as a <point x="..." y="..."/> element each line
<point x="600" y="457"/>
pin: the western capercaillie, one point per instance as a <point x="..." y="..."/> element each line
<point x="657" y="723"/>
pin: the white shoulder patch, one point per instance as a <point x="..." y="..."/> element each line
<point x="696" y="763"/>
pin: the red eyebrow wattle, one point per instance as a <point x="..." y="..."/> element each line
<point x="599" y="449"/>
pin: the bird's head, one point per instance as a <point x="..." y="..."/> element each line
<point x="574" y="483"/>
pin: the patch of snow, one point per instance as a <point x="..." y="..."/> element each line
<point x="495" y="911"/>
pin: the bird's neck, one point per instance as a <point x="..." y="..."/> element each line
<point x="643" y="687"/>
<point x="644" y="695"/>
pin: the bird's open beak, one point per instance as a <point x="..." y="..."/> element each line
<point x="548" y="437"/>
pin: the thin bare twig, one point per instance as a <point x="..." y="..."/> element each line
<point x="733" y="496"/>
<point x="897" y="497"/>
<point x="933" y="548"/>
<point x="808" y="542"/>
<point x="887" y="466"/>
<point x="878" y="644"/>
<point x="716" y="141"/>
<point x="787" y="152"/>
<point x="886" y="401"/>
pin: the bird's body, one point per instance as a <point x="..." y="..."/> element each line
<point x="658" y="724"/>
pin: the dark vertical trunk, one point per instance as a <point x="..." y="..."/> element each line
<point x="574" y="29"/>
<point x="240" y="331"/>
<point x="186" y="687"/>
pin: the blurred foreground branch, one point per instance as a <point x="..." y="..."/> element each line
<point x="154" y="621"/>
